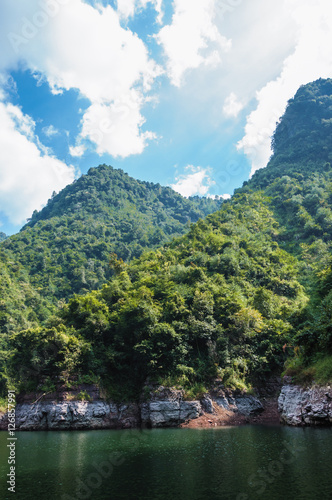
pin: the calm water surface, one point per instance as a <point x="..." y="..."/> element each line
<point x="238" y="463"/>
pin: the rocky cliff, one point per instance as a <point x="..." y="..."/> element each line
<point x="163" y="407"/>
<point x="167" y="407"/>
<point x="300" y="406"/>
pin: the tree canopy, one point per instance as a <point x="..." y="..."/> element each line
<point x="239" y="292"/>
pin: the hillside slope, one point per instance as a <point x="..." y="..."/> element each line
<point x="246" y="288"/>
<point x="66" y="247"/>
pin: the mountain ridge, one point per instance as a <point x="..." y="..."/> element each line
<point x="67" y="246"/>
<point x="244" y="290"/>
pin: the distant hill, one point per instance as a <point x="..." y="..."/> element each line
<point x="66" y="247"/>
<point x="3" y="236"/>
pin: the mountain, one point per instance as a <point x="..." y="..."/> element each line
<point x="3" y="236"/>
<point x="246" y="289"/>
<point x="66" y="248"/>
<point x="298" y="182"/>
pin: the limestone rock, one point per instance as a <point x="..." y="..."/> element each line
<point x="222" y="402"/>
<point x="75" y="415"/>
<point x="165" y="413"/>
<point x="300" y="406"/>
<point x="207" y="404"/>
<point x="239" y="403"/>
<point x="248" y="405"/>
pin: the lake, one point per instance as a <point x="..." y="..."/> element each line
<point x="237" y="463"/>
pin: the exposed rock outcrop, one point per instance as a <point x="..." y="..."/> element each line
<point x="245" y="404"/>
<point x="76" y="415"/>
<point x="166" y="407"/>
<point x="300" y="406"/>
<point x="161" y="407"/>
<point x="169" y="413"/>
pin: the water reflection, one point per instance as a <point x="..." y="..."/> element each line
<point x="243" y="463"/>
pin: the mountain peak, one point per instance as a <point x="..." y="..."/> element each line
<point x="306" y="124"/>
<point x="103" y="212"/>
<point x="302" y="140"/>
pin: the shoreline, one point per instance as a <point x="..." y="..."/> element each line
<point x="166" y="407"/>
<point x="93" y="416"/>
<point x="226" y="418"/>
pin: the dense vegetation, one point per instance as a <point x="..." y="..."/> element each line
<point x="20" y="307"/>
<point x="220" y="301"/>
<point x="247" y="288"/>
<point x="298" y="181"/>
<point x="66" y="247"/>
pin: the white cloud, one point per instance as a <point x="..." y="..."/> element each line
<point x="197" y="182"/>
<point x="93" y="64"/>
<point x="85" y="48"/>
<point x="27" y="175"/>
<point x="128" y="8"/>
<point x="192" y="39"/>
<point x="262" y="44"/>
<point x="115" y="128"/>
<point x="310" y="60"/>
<point x="77" y="151"/>
<point x="50" y="131"/>
<point x="232" y="106"/>
<point x="219" y="196"/>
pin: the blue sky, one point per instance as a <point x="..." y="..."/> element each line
<point x="181" y="92"/>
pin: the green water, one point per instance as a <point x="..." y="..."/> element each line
<point x="239" y="463"/>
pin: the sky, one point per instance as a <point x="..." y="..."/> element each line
<point x="185" y="93"/>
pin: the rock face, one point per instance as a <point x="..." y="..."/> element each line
<point x="207" y="404"/>
<point x="311" y="406"/>
<point x="238" y="403"/>
<point x="248" y="405"/>
<point x="75" y="415"/>
<point x="161" y="407"/>
<point x="167" y="408"/>
<point x="169" y="413"/>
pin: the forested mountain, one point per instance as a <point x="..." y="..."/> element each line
<point x="66" y="247"/>
<point x="245" y="289"/>
<point x="3" y="236"/>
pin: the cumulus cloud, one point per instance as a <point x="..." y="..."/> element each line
<point x="28" y="175"/>
<point x="310" y="60"/>
<point x="116" y="128"/>
<point x="70" y="44"/>
<point x="196" y="182"/>
<point x="96" y="55"/>
<point x="232" y="106"/>
<point x="77" y="151"/>
<point x="192" y="39"/>
<point x="103" y="65"/>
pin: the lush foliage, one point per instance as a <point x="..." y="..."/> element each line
<point x="218" y="302"/>
<point x="66" y="246"/>
<point x="245" y="289"/>
<point x="20" y="307"/>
